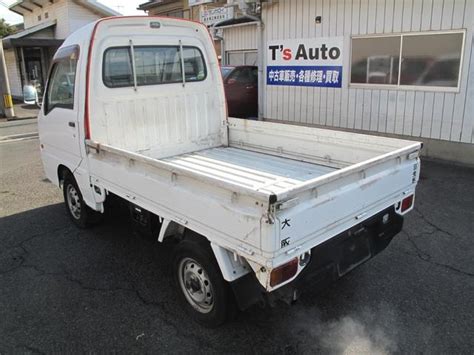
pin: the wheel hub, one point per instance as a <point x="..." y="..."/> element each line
<point x="73" y="201"/>
<point x="196" y="285"/>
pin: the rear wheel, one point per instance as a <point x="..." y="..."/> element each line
<point x="81" y="214"/>
<point x="203" y="290"/>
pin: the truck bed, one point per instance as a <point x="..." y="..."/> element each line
<point x="238" y="194"/>
<point x="257" y="171"/>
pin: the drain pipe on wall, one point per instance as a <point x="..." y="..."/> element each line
<point x="260" y="63"/>
<point x="220" y="38"/>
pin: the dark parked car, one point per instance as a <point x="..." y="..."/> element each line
<point x="241" y="90"/>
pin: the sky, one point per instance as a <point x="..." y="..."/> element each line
<point x="125" y="7"/>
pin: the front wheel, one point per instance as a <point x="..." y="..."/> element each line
<point x="81" y="214"/>
<point x="203" y="290"/>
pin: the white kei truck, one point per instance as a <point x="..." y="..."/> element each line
<point x="135" y="108"/>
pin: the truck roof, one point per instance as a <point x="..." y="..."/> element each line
<point x="85" y="32"/>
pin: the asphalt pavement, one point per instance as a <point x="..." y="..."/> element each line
<point x="106" y="290"/>
<point x="18" y="129"/>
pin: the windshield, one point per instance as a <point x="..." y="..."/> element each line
<point x="225" y="71"/>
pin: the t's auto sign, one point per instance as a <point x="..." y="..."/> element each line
<point x="305" y="62"/>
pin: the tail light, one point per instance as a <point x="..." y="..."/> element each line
<point x="407" y="202"/>
<point x="284" y="272"/>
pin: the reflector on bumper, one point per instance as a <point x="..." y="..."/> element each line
<point x="284" y="272"/>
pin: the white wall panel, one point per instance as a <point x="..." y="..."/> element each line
<point x="391" y="111"/>
<point x="427" y="116"/>
<point x="419" y="109"/>
<point x="439" y="115"/>
<point x="241" y="38"/>
<point x="436" y="14"/>
<point x="467" y="131"/>
<point x="426" y="14"/>
<point x="409" y="111"/>
<point x="407" y="11"/>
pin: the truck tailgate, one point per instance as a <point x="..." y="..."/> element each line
<point x="365" y="175"/>
<point x="311" y="216"/>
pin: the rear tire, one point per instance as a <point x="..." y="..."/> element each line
<point x="203" y="291"/>
<point x="81" y="214"/>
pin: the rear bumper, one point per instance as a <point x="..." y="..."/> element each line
<point x="329" y="261"/>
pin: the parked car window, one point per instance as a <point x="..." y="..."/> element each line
<point x="244" y="75"/>
<point x="60" y="92"/>
<point x="416" y="60"/>
<point x="226" y="71"/>
<point x="254" y="75"/>
<point x="153" y="64"/>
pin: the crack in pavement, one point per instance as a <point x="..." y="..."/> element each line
<point x="166" y="319"/>
<point x="21" y="245"/>
<point x="424" y="256"/>
<point x="34" y="236"/>
<point x="438" y="228"/>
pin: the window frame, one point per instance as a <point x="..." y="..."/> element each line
<point x="64" y="53"/>
<point x="397" y="86"/>
<point x="243" y="52"/>
<point x="151" y="46"/>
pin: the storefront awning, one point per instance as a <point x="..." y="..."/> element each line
<point x="33" y="37"/>
<point x="236" y="21"/>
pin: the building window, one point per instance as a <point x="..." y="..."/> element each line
<point x="154" y="65"/>
<point x="424" y="61"/>
<point x="39" y="17"/>
<point x="46" y="15"/>
<point x="241" y="57"/>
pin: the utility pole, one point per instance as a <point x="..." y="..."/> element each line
<point x="6" y="102"/>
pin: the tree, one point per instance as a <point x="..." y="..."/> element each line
<point x="6" y="29"/>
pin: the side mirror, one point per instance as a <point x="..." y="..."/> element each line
<point x="30" y="95"/>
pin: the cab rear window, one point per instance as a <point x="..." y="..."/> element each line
<point x="153" y="65"/>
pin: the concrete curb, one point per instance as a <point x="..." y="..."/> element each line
<point x="19" y="136"/>
<point x="10" y="119"/>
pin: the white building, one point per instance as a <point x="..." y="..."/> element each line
<point x="362" y="84"/>
<point x="47" y="23"/>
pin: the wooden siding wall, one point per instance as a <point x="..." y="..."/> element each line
<point x="437" y="115"/>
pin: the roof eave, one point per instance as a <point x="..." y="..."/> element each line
<point x="98" y="7"/>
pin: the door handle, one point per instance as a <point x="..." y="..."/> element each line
<point x="72" y="124"/>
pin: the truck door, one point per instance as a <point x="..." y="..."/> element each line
<point x="58" y="122"/>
